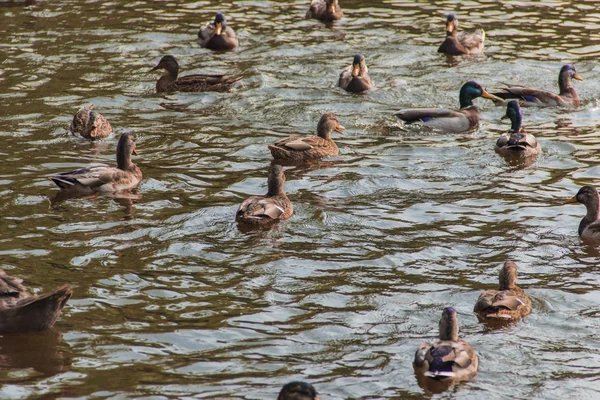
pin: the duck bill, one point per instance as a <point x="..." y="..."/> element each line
<point x="450" y="27"/>
<point x="355" y="70"/>
<point x="155" y="68"/>
<point x="487" y="95"/>
<point x="577" y="76"/>
<point x="331" y="7"/>
<point x="572" y="200"/>
<point x="134" y="151"/>
<point x="339" y="129"/>
<point x="218" y="28"/>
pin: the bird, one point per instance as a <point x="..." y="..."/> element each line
<point x="217" y="35"/>
<point x="447" y="120"/>
<point x="509" y="302"/>
<point x="325" y="10"/>
<point x="457" y="44"/>
<point x="355" y="78"/>
<point x="90" y="124"/>
<point x="298" y="391"/>
<point x="516" y="143"/>
<point x="103" y="178"/>
<point x="589" y="227"/>
<point x="170" y="82"/>
<point x="20" y="311"/>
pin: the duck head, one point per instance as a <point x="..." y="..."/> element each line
<point x="449" y="324"/>
<point x="359" y="65"/>
<point x="471" y="90"/>
<point x="298" y="391"/>
<point x="328" y="123"/>
<point x="588" y="196"/>
<point x="514" y="113"/>
<point x="331" y="5"/>
<point x="125" y="148"/>
<point x="451" y="24"/>
<point x="220" y="24"/>
<point x="169" y="64"/>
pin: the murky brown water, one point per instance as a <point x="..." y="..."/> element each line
<point x="172" y="300"/>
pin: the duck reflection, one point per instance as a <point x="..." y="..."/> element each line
<point x="125" y="199"/>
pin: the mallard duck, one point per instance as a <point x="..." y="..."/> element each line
<point x="273" y="206"/>
<point x="448" y="357"/>
<point x="298" y="391"/>
<point x="516" y="143"/>
<point x="217" y="35"/>
<point x="190" y="83"/>
<point x="355" y="78"/>
<point x="102" y="178"/>
<point x="457" y="44"/>
<point x="20" y="311"/>
<point x="509" y="302"/>
<point x="589" y="227"/>
<point x="90" y="124"/>
<point x="325" y="10"/>
<point x="528" y="97"/>
<point x="300" y="148"/>
<point x="447" y="120"/>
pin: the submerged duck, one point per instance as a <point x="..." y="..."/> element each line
<point x="20" y="311"/>
<point x="457" y="44"/>
<point x="516" y="143"/>
<point x="90" y="124"/>
<point x="300" y="148"/>
<point x="355" y="78"/>
<point x="217" y="35"/>
<point x="298" y="391"/>
<point x="325" y="10"/>
<point x="589" y="227"/>
<point x="102" y="178"/>
<point x="447" y="120"/>
<point x="170" y="82"/>
<point x="509" y="302"/>
<point x="528" y="97"/>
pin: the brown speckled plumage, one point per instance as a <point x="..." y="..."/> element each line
<point x="90" y="124"/>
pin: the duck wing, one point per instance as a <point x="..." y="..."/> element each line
<point x="205" y="33"/>
<point x="472" y="41"/>
<point x="204" y="83"/>
<point x="529" y="96"/>
<point x="11" y="290"/>
<point x="90" y="177"/>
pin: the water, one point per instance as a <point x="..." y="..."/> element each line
<point x="172" y="300"/>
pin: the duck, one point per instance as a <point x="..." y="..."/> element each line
<point x="303" y="148"/>
<point x="273" y="206"/>
<point x="103" y="178"/>
<point x="516" y="143"/>
<point x="589" y="227"/>
<point x="217" y="35"/>
<point x="528" y="97"/>
<point x="457" y="44"/>
<point x="447" y="120"/>
<point x="21" y="312"/>
<point x="325" y="10"/>
<point x="509" y="302"/>
<point x="450" y="356"/>
<point x="298" y="391"/>
<point x="170" y="82"/>
<point x="90" y="124"/>
<point x="355" y="78"/>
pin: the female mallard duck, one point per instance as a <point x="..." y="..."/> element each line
<point x="169" y="82"/>
<point x="298" y="391"/>
<point x="300" y="148"/>
<point x="325" y="10"/>
<point x="355" y="78"/>
<point x="217" y="35"/>
<point x="528" y="97"/>
<point x="589" y="227"/>
<point x="448" y="357"/>
<point x="447" y="120"/>
<point x="457" y="44"/>
<point x="509" y="302"/>
<point x="516" y="143"/>
<point x="20" y="311"/>
<point x="90" y="124"/>
<point x="272" y="206"/>
<point x="101" y="177"/>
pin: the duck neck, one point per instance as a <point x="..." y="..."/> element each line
<point x="508" y="281"/>
<point x="324" y="132"/>
<point x="591" y="216"/>
<point x="564" y="83"/>
<point x="275" y="186"/>
<point x="124" y="159"/>
<point x="449" y="329"/>
<point x="465" y="100"/>
<point x="515" y="122"/>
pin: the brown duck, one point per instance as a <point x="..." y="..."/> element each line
<point x="298" y="391"/>
<point x="90" y="124"/>
<point x="457" y="44"/>
<point x="355" y="78"/>
<point x="325" y="10"/>
<point x="217" y="35"/>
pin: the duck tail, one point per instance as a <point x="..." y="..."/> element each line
<point x="439" y="374"/>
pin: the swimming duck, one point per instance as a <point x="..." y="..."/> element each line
<point x="325" y="10"/>
<point x="508" y="302"/>
<point x="516" y="143"/>
<point x="169" y="82"/>
<point x="528" y="97"/>
<point x="90" y="124"/>
<point x="102" y="178"/>
<point x="298" y="391"/>
<point x="448" y="120"/>
<point x="217" y="35"/>
<point x="457" y="44"/>
<point x="20" y="311"/>
<point x="448" y="357"/>
<point x="589" y="227"/>
<point x="355" y="78"/>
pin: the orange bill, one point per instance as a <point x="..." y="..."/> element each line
<point x="338" y="128"/>
<point x="577" y="76"/>
<point x="355" y="70"/>
<point x="572" y="200"/>
<point x="218" y="28"/>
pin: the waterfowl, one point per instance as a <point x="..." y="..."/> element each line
<point x="516" y="143"/>
<point x="90" y="124"/>
<point x="298" y="391"/>
<point x="325" y="10"/>
<point x="355" y="78"/>
<point x="457" y="44"/>
<point x="170" y="82"/>
<point x="509" y="302"/>
<point x="102" y="178"/>
<point x="589" y="227"/>
<point x="217" y="35"/>
<point x="20" y="311"/>
<point x="528" y="97"/>
<point x="448" y="120"/>
<point x="448" y="357"/>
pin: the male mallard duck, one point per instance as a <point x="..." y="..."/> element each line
<point x="529" y="97"/>
<point x="516" y="143"/>
<point x="217" y="35"/>
<point x="298" y="391"/>
<point x="589" y="227"/>
<point x="448" y="120"/>
<point x="190" y="83"/>
<point x="355" y="78"/>
<point x="20" y="311"/>
<point x="457" y="44"/>
<point x="90" y="124"/>
<point x="325" y="10"/>
<point x="101" y="177"/>
<point x="509" y="302"/>
<point x="449" y="357"/>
